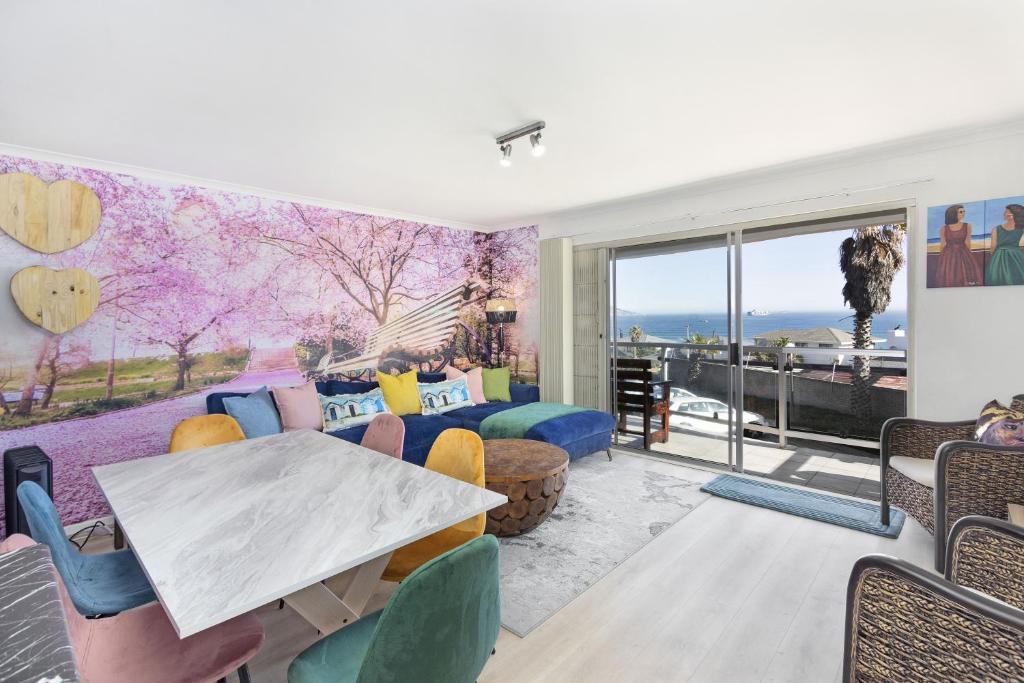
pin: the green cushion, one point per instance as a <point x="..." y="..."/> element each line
<point x="496" y="381"/>
<point x="440" y="624"/>
<point x="336" y="658"/>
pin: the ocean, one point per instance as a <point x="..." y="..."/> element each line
<point x="676" y="326"/>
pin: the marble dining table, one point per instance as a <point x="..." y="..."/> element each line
<point x="303" y="516"/>
<point x="33" y="627"/>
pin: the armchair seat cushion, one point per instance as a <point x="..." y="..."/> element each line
<point x="921" y="470"/>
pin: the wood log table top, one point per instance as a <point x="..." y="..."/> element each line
<point x="512" y="460"/>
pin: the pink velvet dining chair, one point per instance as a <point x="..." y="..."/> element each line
<point x="386" y="434"/>
<point x="140" y="645"/>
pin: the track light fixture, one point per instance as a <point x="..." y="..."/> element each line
<point x="505" y="141"/>
<point x="537" y="147"/>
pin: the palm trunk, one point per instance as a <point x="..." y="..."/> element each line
<point x="860" y="397"/>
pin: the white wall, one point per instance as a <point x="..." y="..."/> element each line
<point x="967" y="344"/>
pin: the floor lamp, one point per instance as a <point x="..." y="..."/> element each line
<point x="499" y="312"/>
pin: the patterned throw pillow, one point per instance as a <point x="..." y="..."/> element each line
<point x="344" y="411"/>
<point x="1000" y="426"/>
<point x="440" y="397"/>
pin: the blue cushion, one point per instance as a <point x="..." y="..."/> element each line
<point x="472" y="416"/>
<point x="334" y="387"/>
<point x="215" y="401"/>
<point x="256" y="413"/>
<point x="524" y="393"/>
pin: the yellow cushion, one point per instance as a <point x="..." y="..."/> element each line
<point x="458" y="453"/>
<point x="400" y="393"/>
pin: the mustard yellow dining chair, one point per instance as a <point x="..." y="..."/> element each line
<point x="204" y="430"/>
<point x="458" y="453"/>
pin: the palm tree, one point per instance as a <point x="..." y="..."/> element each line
<point x="869" y="259"/>
<point x="636" y="335"/>
<point x="697" y="356"/>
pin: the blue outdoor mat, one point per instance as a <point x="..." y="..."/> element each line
<point x="853" y="514"/>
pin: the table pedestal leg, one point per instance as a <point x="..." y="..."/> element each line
<point x="339" y="600"/>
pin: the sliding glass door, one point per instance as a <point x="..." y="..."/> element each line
<point x="673" y="373"/>
<point x="753" y="357"/>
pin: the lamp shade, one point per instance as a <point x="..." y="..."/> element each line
<point x="501" y="311"/>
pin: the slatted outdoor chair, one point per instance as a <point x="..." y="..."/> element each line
<point x="638" y="392"/>
<point x="421" y="338"/>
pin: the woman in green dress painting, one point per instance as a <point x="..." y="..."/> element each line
<point x="1006" y="263"/>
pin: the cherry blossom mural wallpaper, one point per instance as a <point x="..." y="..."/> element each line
<point x="204" y="290"/>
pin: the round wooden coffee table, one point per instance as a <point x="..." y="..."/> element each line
<point x="533" y="474"/>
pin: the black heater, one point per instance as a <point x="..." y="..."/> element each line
<point x="27" y="463"/>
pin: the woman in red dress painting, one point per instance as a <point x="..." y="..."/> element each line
<point x="956" y="266"/>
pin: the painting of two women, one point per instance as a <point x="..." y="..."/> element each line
<point x="976" y="244"/>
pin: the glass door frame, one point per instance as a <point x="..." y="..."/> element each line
<point x="732" y="240"/>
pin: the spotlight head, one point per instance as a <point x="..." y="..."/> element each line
<point x="506" y="155"/>
<point x="537" y="147"/>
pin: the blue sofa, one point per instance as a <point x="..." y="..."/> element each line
<point x="578" y="433"/>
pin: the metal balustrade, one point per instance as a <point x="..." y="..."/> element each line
<point x="782" y="365"/>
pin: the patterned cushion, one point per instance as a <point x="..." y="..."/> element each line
<point x="343" y="411"/>
<point x="440" y="397"/>
<point x="1000" y="426"/>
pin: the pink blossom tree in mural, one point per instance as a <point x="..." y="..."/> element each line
<point x="380" y="264"/>
<point x="63" y="356"/>
<point x="206" y="284"/>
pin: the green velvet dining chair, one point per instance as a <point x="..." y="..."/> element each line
<point x="440" y="624"/>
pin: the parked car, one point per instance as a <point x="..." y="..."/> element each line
<point x="710" y="408"/>
<point x="675" y="394"/>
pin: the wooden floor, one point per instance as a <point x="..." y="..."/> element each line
<point x="730" y="593"/>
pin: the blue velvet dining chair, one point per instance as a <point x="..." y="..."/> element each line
<point x="98" y="584"/>
<point x="440" y="624"/>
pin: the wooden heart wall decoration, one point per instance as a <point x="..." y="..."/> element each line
<point x="47" y="218"/>
<point x="56" y="300"/>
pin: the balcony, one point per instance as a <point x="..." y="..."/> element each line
<point x="802" y="424"/>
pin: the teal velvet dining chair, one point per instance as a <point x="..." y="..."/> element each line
<point x="440" y="624"/>
<point x="102" y="584"/>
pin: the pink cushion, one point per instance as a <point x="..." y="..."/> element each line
<point x="299" y="407"/>
<point x="474" y="378"/>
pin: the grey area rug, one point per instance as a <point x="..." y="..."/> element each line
<point x="608" y="512"/>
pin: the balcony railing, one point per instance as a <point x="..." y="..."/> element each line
<point x="801" y="392"/>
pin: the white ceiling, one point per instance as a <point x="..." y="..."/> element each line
<point x="394" y="105"/>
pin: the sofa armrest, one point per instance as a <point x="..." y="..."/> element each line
<point x="524" y="393"/>
<point x="987" y="555"/>
<point x="973" y="478"/>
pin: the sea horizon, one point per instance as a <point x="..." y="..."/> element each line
<point x="677" y="326"/>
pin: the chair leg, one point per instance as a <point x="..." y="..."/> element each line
<point x="609" y="452"/>
<point x="243" y="674"/>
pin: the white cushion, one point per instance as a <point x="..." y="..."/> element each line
<point x="921" y="470"/>
<point x="1015" y="512"/>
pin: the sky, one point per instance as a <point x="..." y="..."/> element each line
<point x="798" y="273"/>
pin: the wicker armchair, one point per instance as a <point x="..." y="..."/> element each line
<point x="906" y="624"/>
<point x="966" y="477"/>
<point x="987" y="555"/>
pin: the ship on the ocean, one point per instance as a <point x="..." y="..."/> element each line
<point x="757" y="313"/>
